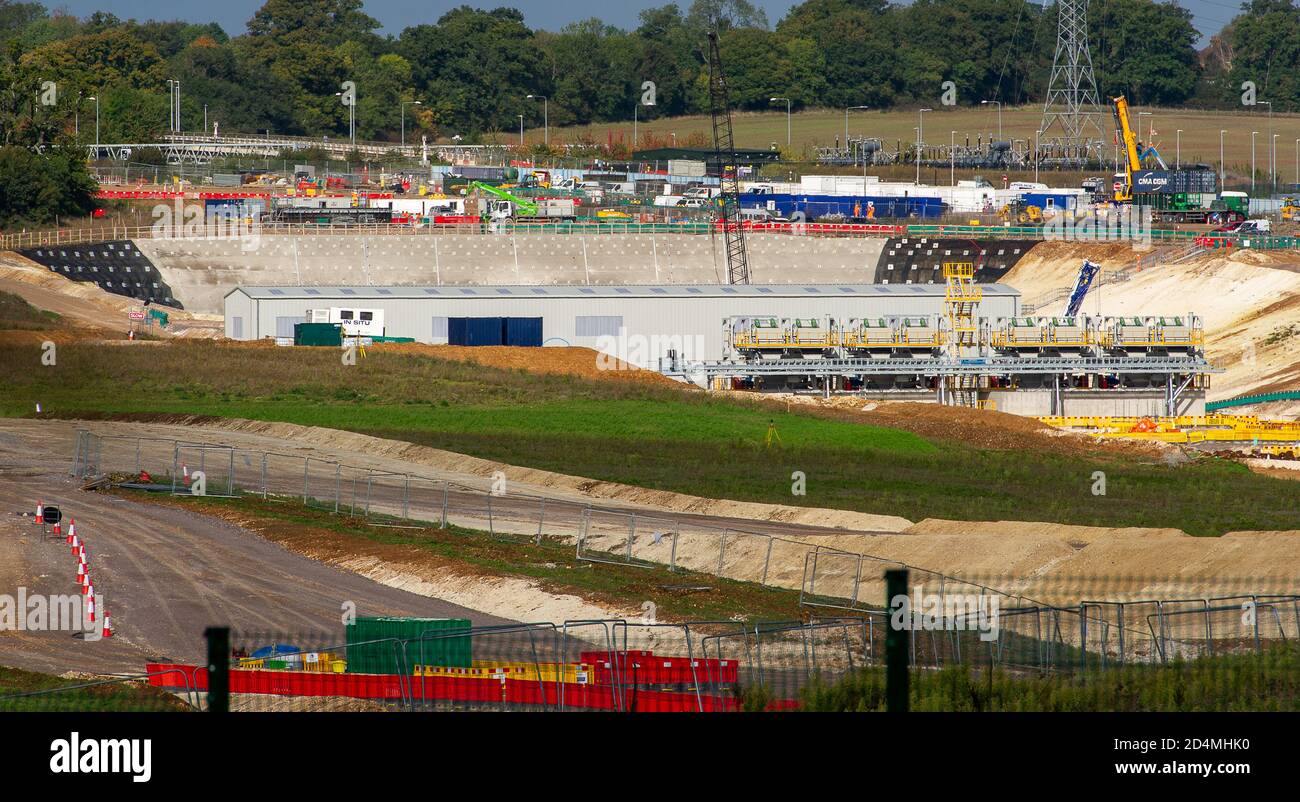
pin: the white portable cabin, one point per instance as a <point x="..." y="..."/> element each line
<point x="355" y="321"/>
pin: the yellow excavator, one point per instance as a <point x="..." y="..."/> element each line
<point x="1290" y="209"/>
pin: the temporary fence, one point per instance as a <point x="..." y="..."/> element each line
<point x="599" y="534"/>
<point x="594" y="226"/>
<point x="696" y="666"/>
<point x="1123" y="626"/>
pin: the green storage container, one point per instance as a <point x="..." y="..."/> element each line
<point x="318" y="334"/>
<point x="375" y="644"/>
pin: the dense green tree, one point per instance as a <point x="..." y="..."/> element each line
<point x="1265" y="48"/>
<point x="475" y="67"/>
<point x="1144" y="50"/>
<point x="37" y="187"/>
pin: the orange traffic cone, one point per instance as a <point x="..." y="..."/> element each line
<point x="72" y="529"/>
<point x="40" y="513"/>
<point x="185" y="473"/>
<point x="90" y="606"/>
<point x="58" y="529"/>
<point x="89" y="588"/>
<point x="76" y="544"/>
<point x="81" y="574"/>
<point x="108" y="624"/>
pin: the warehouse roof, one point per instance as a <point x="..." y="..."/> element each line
<point x="612" y="291"/>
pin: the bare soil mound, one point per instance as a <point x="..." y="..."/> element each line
<point x="569" y="361"/>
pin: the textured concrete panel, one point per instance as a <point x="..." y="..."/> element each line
<point x="201" y="272"/>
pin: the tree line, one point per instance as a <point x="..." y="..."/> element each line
<point x="473" y="69"/>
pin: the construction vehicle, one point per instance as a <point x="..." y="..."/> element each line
<point x="1026" y="214"/>
<point x="507" y="207"/>
<point x="1174" y="196"/>
<point x="1290" y="211"/>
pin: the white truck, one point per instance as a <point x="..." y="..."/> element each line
<point x="542" y="209"/>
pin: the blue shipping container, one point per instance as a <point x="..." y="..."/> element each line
<point x="475" y="330"/>
<point x="523" y="331"/>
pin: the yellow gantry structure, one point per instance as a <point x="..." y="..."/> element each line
<point x="1188" y="429"/>
<point x="961" y="301"/>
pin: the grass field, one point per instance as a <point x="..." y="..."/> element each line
<point x="16" y="313"/>
<point x="1247" y="682"/>
<point x="654" y="436"/>
<point x="821" y="127"/>
<point x="58" y="694"/>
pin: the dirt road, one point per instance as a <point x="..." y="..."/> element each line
<point x="165" y="575"/>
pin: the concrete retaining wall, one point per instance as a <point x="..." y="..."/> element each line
<point x="1096" y="402"/>
<point x="201" y="272"/>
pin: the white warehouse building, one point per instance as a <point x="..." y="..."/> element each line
<point x="637" y="323"/>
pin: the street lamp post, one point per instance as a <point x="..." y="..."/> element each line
<point x="787" y="117"/>
<point x="1037" y="135"/>
<point x="352" y="117"/>
<point x="546" y="117"/>
<point x="1269" y="103"/>
<point x="96" y="99"/>
<point x="846" y="124"/>
<point x="1272" y="161"/>
<point x="1222" y="175"/>
<point x="1178" y="150"/>
<point x="952" y="159"/>
<point x="998" y="103"/>
<point x="1253" y="134"/>
<point x="920" y="139"/>
<point x="406" y="103"/>
<point x="521" y="129"/>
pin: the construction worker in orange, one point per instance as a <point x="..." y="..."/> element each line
<point x="871" y="210"/>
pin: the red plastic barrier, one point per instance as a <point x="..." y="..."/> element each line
<point x="128" y="194"/>
<point x="822" y="228"/>
<point x="233" y="195"/>
<point x="461" y="689"/>
<point x="455" y="218"/>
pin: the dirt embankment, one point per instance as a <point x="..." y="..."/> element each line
<point x="1249" y="302"/>
<point x="975" y="427"/>
<point x="87" y="310"/>
<point x="568" y="361"/>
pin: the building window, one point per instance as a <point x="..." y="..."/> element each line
<point x="284" y="325"/>
<point x="597" y="325"/>
<point x="439" y="331"/>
